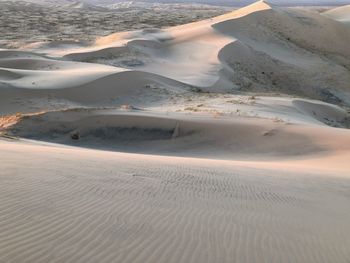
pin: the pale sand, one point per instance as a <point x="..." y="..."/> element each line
<point x="341" y="14"/>
<point x="206" y="142"/>
<point x="93" y="206"/>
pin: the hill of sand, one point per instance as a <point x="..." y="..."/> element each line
<point x="224" y="140"/>
<point x="341" y="14"/>
<point x="257" y="48"/>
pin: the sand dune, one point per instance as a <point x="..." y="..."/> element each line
<point x="43" y="73"/>
<point x="168" y="74"/>
<point x="86" y="6"/>
<point x="284" y="51"/>
<point x="341" y="14"/>
<point x="111" y="90"/>
<point x="257" y="48"/>
<point x="134" y="130"/>
<point x="224" y="140"/>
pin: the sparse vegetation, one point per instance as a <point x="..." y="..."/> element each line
<point x="127" y="107"/>
<point x="75" y="135"/>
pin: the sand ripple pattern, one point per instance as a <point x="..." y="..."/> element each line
<point x="133" y="208"/>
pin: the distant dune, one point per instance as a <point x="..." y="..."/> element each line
<point x="85" y="6"/>
<point x="257" y="48"/>
<point x="341" y="14"/>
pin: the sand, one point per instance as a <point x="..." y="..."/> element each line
<point x="224" y="140"/>
<point x="95" y="206"/>
<point x="340" y="14"/>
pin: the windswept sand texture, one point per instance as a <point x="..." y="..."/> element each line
<point x="224" y="140"/>
<point x="93" y="206"/>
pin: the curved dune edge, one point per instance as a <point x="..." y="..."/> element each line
<point x="323" y="112"/>
<point x="179" y="134"/>
<point x="100" y="89"/>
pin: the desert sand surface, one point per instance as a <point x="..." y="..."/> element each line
<point x="222" y="140"/>
<point x="96" y="206"/>
<point x="341" y="14"/>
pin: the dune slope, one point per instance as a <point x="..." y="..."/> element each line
<point x="341" y="14"/>
<point x="138" y="208"/>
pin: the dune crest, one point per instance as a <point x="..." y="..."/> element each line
<point x="290" y="50"/>
<point x="341" y="14"/>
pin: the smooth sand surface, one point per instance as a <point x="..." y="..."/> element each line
<point x="224" y="140"/>
<point x="341" y="14"/>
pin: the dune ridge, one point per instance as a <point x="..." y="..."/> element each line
<point x="144" y="132"/>
<point x="289" y="42"/>
<point x="340" y="14"/>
